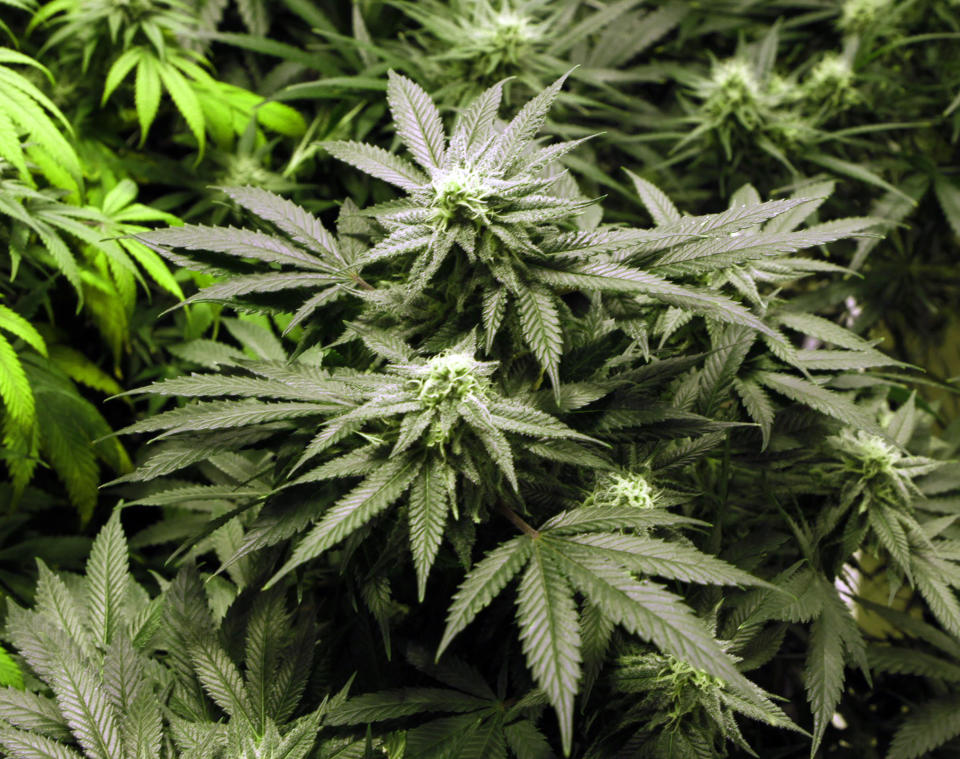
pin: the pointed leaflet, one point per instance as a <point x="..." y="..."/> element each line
<point x="696" y="228"/>
<point x="417" y="120"/>
<point x="300" y="224"/>
<point x="15" y="391"/>
<point x="933" y="580"/>
<point x="403" y="240"/>
<point x="822" y="329"/>
<point x="142" y="727"/>
<point x="311" y="305"/>
<point x="226" y="292"/>
<point x="19" y="423"/>
<point x="355" y="509"/>
<point x="26" y="105"/>
<point x="184" y="98"/>
<point x="596" y="632"/>
<point x="186" y="618"/>
<point x="378" y="163"/>
<point x="147" y="94"/>
<point x="698" y="255"/>
<point x="220" y="678"/>
<point x="484" y="583"/>
<point x="267" y="628"/>
<point x="948" y="194"/>
<point x="13" y="322"/>
<point x="453" y="672"/>
<point x="411" y="428"/>
<point x="485" y="741"/>
<point x="28" y="632"/>
<point x="543" y="157"/>
<point x="60" y="254"/>
<point x="903" y="423"/>
<point x="123" y="678"/>
<point x="403" y="702"/>
<point x="814" y="195"/>
<point x="55" y="602"/>
<point x="494" y="306"/>
<point x="856" y="171"/>
<point x="540" y="323"/>
<point x="508" y="148"/>
<point x="818" y="398"/>
<point x="757" y="403"/>
<point x="28" y="745"/>
<point x="526" y="741"/>
<point x="10" y="146"/>
<point x="119" y="70"/>
<point x="578" y="33"/>
<point x="219" y="415"/>
<point x="608" y="518"/>
<point x="332" y="432"/>
<point x="550" y="632"/>
<point x="294" y="671"/>
<point x="477" y="120"/>
<point x="496" y="443"/>
<point x="648" y="555"/>
<point x="526" y="420"/>
<point x="823" y="677"/>
<point x="38" y="714"/>
<point x="900" y="661"/>
<point x="584" y="244"/>
<point x="427" y="516"/>
<point x="823" y="674"/>
<point x="381" y="342"/>
<point x="83" y="702"/>
<point x="443" y="737"/>
<point x="658" y="205"/>
<point x="146" y="622"/>
<point x="107" y="580"/>
<point x="243" y="243"/>
<point x="721" y="367"/>
<point x="890" y="532"/>
<point x="297" y="743"/>
<point x="927" y="728"/>
<point x="337" y="428"/>
<point x="254" y="337"/>
<point x="604" y="276"/>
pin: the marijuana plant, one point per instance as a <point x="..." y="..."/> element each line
<point x="470" y="44"/>
<point x="48" y="237"/>
<point x="443" y="454"/>
<point x="457" y="300"/>
<point x="672" y="709"/>
<point x="116" y="673"/>
<point x="143" y="38"/>
<point x="89" y="643"/>
<point x="786" y="110"/>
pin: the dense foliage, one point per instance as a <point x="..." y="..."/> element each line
<point x="481" y="378"/>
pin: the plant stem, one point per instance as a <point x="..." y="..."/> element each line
<point x="362" y="282"/>
<point x="518" y="521"/>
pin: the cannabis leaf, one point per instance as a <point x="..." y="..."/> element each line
<point x="28" y="111"/>
<point x="314" y="260"/>
<point x="573" y="552"/>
